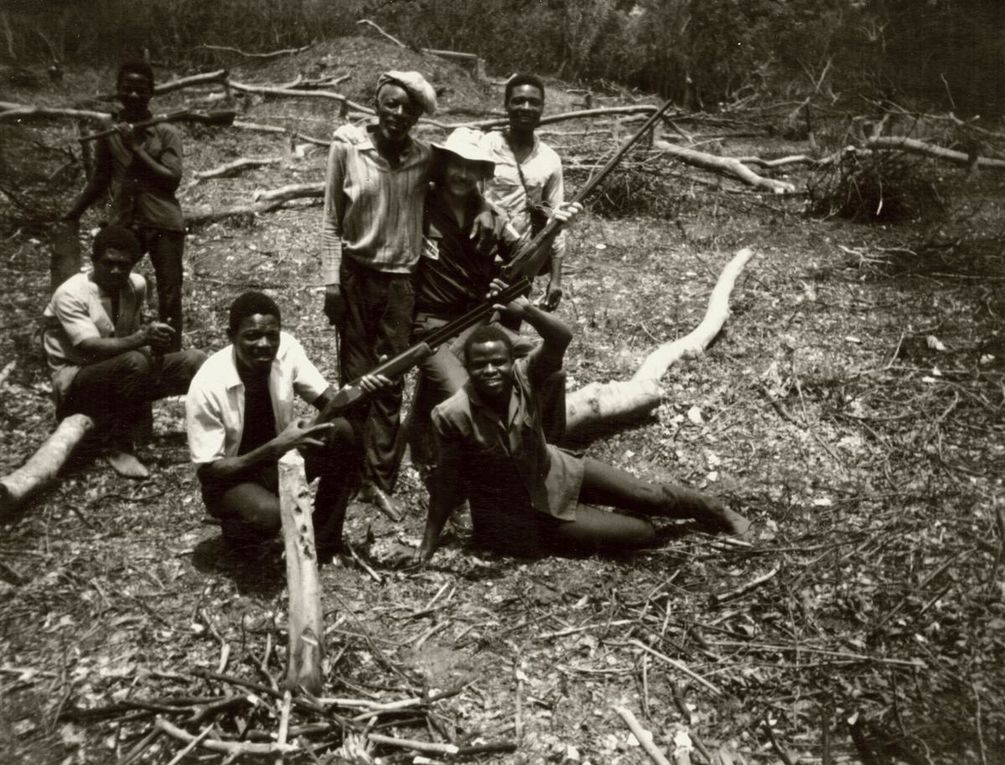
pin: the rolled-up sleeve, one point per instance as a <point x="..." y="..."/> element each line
<point x="308" y="382"/>
<point x="74" y="317"/>
<point x="207" y="435"/>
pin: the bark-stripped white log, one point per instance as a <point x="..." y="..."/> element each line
<point x="305" y="626"/>
<point x="605" y="404"/>
<point x="11" y="112"/>
<point x="914" y="146"/>
<point x="45" y="463"/>
<point x="233" y="168"/>
<point x="724" y="166"/>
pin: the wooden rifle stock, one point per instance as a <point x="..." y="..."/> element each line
<point x="395" y="367"/>
<point x="222" y="117"/>
<point x="531" y="256"/>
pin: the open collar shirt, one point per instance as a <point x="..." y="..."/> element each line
<point x="214" y="407"/>
<point x="489" y="451"/>
<point x="542" y="170"/>
<point x="373" y="211"/>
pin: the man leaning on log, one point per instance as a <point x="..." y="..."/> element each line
<point x="105" y="361"/>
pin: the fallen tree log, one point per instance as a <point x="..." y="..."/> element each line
<point x="724" y="166"/>
<point x="45" y="463"/>
<point x="204" y="216"/>
<point x="257" y="127"/>
<point x="11" y="112"/>
<point x="602" y="405"/>
<point x="914" y="146"/>
<point x="247" y="54"/>
<point x="293" y="191"/>
<point x="331" y="95"/>
<point x="233" y="168"/>
<point x="305" y="625"/>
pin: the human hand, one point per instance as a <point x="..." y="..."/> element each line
<point x="158" y="335"/>
<point x="552" y="297"/>
<point x="300" y="433"/>
<point x="371" y="384"/>
<point x="487" y="229"/>
<point x="518" y="306"/>
<point x="335" y="305"/>
<point x="130" y="136"/>
<point x="567" y="212"/>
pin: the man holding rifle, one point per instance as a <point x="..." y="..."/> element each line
<point x="527" y="183"/>
<point x="528" y="497"/>
<point x="239" y="419"/>
<point x="142" y="168"/>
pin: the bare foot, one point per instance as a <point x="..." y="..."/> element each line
<point x="126" y="464"/>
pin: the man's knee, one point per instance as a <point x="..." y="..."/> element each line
<point x="189" y="361"/>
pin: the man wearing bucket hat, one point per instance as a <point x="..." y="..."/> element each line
<point x="527" y="183"/>
<point x="455" y="272"/>
<point x="371" y="238"/>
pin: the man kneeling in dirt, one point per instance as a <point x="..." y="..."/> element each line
<point x="239" y="417"/>
<point x="105" y="362"/>
<point x="528" y="497"/>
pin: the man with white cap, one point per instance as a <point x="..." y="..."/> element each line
<point x="371" y="238"/>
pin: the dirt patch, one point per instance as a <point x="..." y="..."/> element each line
<point x="869" y="458"/>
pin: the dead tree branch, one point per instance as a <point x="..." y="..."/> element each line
<point x="247" y="54"/>
<point x="724" y="166"/>
<point x="914" y="146"/>
<point x="602" y="404"/>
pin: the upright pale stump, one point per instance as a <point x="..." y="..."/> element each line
<point x="306" y="631"/>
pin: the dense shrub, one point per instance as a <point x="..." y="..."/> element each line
<point x="700" y="52"/>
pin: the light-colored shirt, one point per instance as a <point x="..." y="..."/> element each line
<point x="506" y="462"/>
<point x="373" y="212"/>
<point x="542" y="170"/>
<point x="214" y="407"/>
<point x="79" y="310"/>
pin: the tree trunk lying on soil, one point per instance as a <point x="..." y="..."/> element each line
<point x="914" y="146"/>
<point x="724" y="166"/>
<point x="600" y="405"/>
<point x="45" y="463"/>
<point x="305" y="626"/>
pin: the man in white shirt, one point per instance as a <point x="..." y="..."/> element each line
<point x="527" y="183"/>
<point x="240" y="421"/>
<point x="105" y="361"/>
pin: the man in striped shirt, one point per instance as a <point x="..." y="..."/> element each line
<point x="371" y="239"/>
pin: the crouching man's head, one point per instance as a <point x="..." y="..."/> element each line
<point x="114" y="252"/>
<point x="253" y="327"/>
<point x="488" y="357"/>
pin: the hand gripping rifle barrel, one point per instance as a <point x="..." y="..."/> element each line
<point x="532" y="256"/>
<point x="404" y="361"/>
<point x="519" y="271"/>
<point x="219" y="117"/>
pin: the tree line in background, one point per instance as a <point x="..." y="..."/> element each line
<point x="947" y="54"/>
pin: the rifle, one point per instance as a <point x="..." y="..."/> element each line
<point x="519" y="272"/>
<point x="221" y="117"/>
<point x="351" y="393"/>
<point x="531" y="256"/>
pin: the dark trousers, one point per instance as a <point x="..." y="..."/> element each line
<point x="377" y="323"/>
<point x="518" y="529"/>
<point x="166" y="249"/>
<point x="248" y="505"/>
<point x="117" y="392"/>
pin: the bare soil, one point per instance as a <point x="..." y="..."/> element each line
<point x="852" y="407"/>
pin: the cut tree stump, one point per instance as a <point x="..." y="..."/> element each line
<point x="45" y="463"/>
<point x="602" y="405"/>
<point x="305" y="627"/>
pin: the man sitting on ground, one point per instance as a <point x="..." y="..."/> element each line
<point x="528" y="497"/>
<point x="240" y="421"/>
<point x="106" y="363"/>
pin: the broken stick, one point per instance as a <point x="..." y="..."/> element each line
<point x="305" y="627"/>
